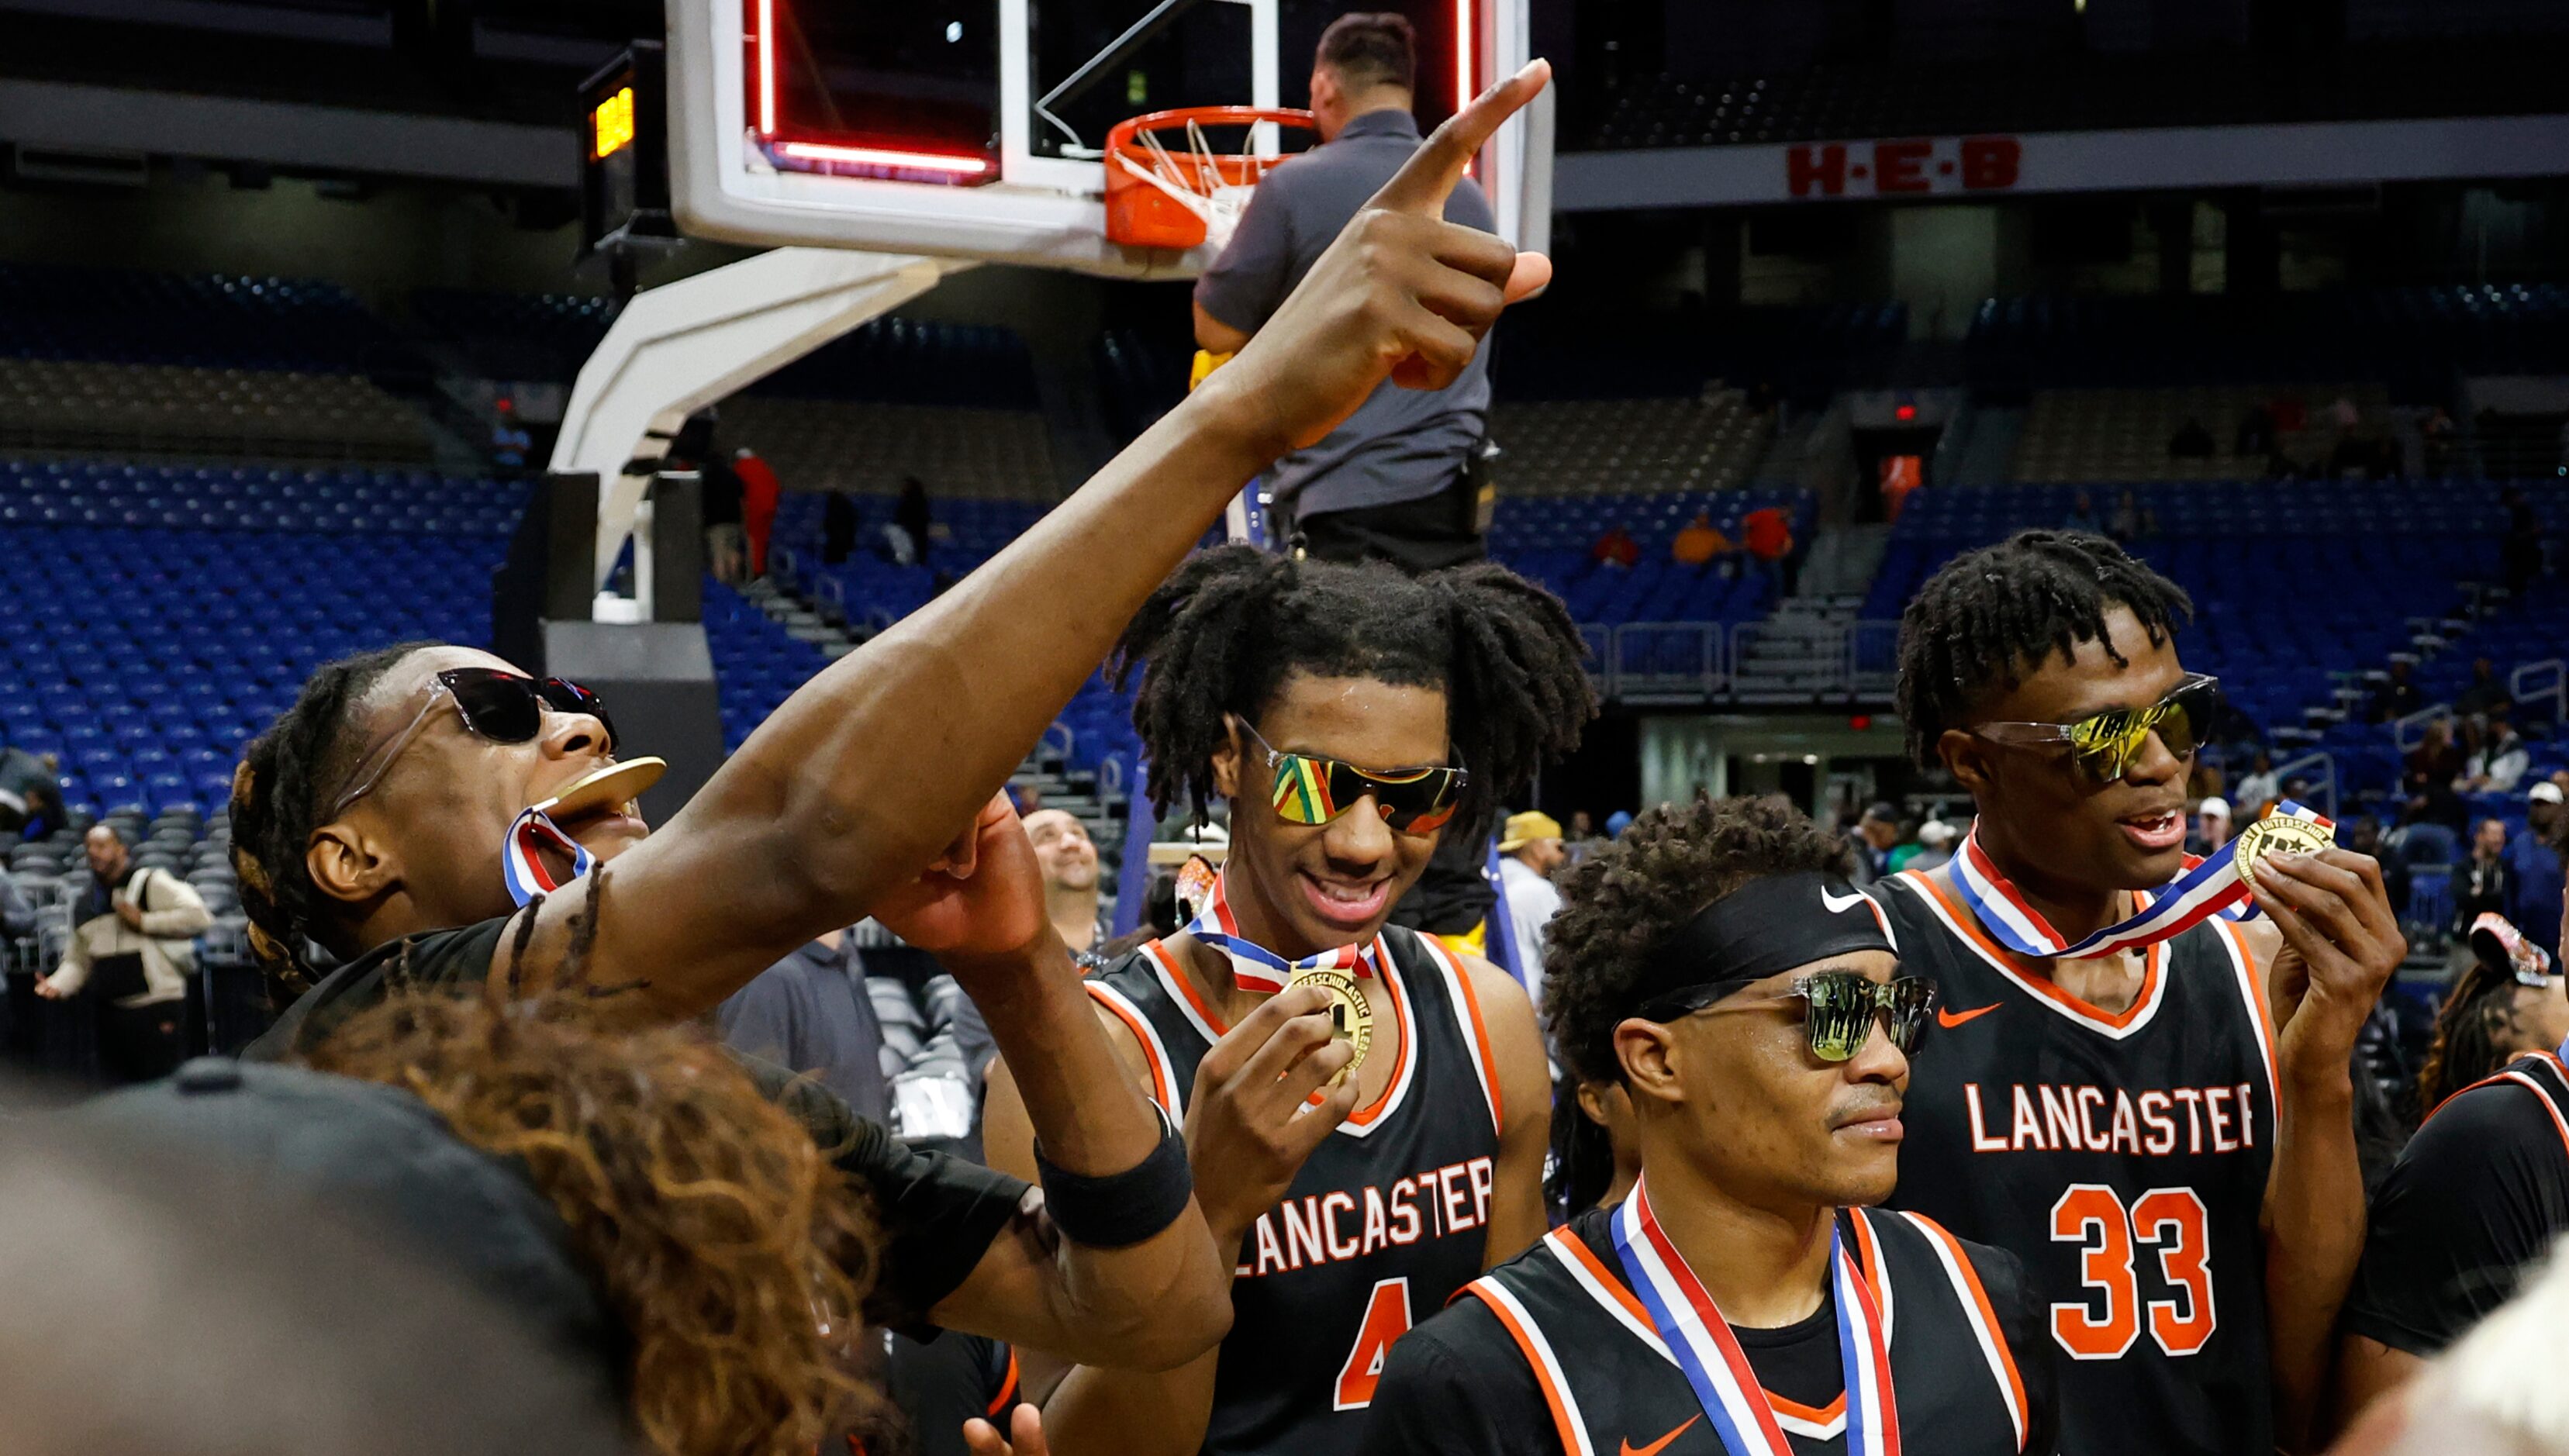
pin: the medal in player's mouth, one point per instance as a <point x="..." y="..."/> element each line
<point x="1348" y="907"/>
<point x="2155" y="832"/>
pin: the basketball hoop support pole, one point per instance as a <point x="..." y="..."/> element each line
<point x="680" y="347"/>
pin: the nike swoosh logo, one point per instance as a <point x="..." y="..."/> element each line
<point x="1950" y="1018"/>
<point x="1661" y="1444"/>
<point x="1838" y="905"/>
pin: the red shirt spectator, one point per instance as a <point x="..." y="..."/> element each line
<point x="1616" y="548"/>
<point x="1767" y="532"/>
<point x="758" y="489"/>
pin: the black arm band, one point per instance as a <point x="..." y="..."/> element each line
<point x="1123" y="1209"/>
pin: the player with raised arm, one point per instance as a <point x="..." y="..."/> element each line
<point x="2148" y="1104"/>
<point x="413" y="801"/>
<point x="1741" y="1300"/>
<point x="1352" y="715"/>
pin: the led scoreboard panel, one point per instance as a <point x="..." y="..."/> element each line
<point x="610" y="126"/>
<point x="625" y="167"/>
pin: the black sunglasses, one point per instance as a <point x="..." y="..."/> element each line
<point x="1839" y="1008"/>
<point x="502" y="707"/>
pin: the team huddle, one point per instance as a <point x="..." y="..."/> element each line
<point x="2050" y="1148"/>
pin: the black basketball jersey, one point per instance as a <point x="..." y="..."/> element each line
<point x="2121" y="1157"/>
<point x="1611" y="1387"/>
<point x="1383" y="1225"/>
<point x="2477" y="1198"/>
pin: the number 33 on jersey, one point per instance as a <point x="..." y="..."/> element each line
<point x="2122" y="1156"/>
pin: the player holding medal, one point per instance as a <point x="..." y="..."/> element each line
<point x="1743" y="1300"/>
<point x="1366" y="1111"/>
<point x="2147" y="1103"/>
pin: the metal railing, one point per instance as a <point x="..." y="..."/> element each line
<point x="1873" y="658"/>
<point x="1057" y="743"/>
<point x="2541" y="683"/>
<point x="1672" y="663"/>
<point x="2317" y="773"/>
<point x="2407" y="733"/>
<point x="1667" y="661"/>
<point x="1596" y="650"/>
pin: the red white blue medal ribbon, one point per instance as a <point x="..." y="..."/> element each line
<point x="2209" y="887"/>
<point x="521" y="860"/>
<point x="1253" y="965"/>
<point x="1714" y="1364"/>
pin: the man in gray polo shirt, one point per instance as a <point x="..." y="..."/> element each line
<point x="1391" y="482"/>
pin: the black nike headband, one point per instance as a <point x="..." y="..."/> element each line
<point x="1769" y="924"/>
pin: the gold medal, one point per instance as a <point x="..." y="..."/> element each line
<point x="2279" y="834"/>
<point x="1350" y="1017"/>
<point x="617" y="783"/>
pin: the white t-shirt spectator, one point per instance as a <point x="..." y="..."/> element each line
<point x="1532" y="903"/>
<point x="2502" y="763"/>
<point x="2260" y="789"/>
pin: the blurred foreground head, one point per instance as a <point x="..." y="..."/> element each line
<point x="2498" y="1392"/>
<point x="633" y="1208"/>
<point x="153" y="1300"/>
<point x="731" y="1252"/>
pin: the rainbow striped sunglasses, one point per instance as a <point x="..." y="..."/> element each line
<point x="1310" y="790"/>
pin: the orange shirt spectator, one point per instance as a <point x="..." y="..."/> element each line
<point x="1699" y="541"/>
<point x="1768" y="532"/>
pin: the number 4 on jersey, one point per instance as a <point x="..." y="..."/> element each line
<point x="2172" y="1221"/>
<point x="1386" y="1319"/>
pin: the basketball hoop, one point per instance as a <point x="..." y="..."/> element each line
<point x="1184" y="199"/>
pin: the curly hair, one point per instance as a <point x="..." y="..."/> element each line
<point x="1627" y="899"/>
<point x="1988" y="617"/>
<point x="2470" y="1031"/>
<point x="276" y="806"/>
<point x="1226" y="630"/>
<point x="734" y="1252"/>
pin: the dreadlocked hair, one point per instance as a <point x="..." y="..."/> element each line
<point x="731" y="1248"/>
<point x="2470" y="1031"/>
<point x="1225" y="633"/>
<point x="275" y="807"/>
<point x="1990" y="615"/>
<point x="1624" y="899"/>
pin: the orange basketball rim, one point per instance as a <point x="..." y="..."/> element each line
<point x="1159" y="195"/>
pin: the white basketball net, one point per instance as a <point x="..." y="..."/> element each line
<point x="1198" y="183"/>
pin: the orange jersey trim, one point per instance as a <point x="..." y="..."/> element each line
<point x="1577" y="1248"/>
<point x="1007" y="1395"/>
<point x="1988" y="1316"/>
<point x="1816" y="1415"/>
<point x="1408" y="1043"/>
<point x="2510" y="1074"/>
<point x="1868" y="1253"/>
<point x="1164" y="1087"/>
<point x="1570" y="1435"/>
<point x="2259" y="1007"/>
<point x="1960" y="918"/>
<point x="1185" y="986"/>
<point x="1489" y="1069"/>
<point x="1174" y="973"/>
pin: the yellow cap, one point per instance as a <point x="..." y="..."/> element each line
<point x="1206" y="361"/>
<point x="1523" y="829"/>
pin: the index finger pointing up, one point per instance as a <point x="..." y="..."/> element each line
<point x="1424" y="182"/>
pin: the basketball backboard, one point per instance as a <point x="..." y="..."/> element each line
<point x="975" y="129"/>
